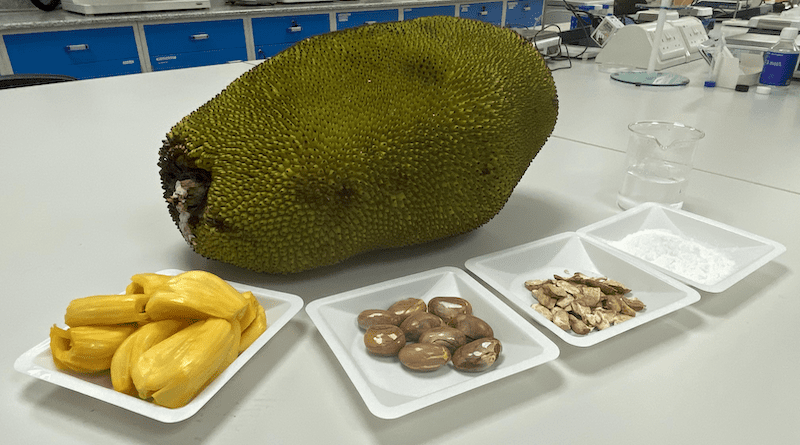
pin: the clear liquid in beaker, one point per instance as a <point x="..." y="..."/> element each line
<point x="642" y="186"/>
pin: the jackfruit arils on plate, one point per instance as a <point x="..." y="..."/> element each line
<point x="380" y="136"/>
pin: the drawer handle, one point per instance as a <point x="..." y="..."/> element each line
<point x="295" y="27"/>
<point x="526" y="8"/>
<point x="200" y="36"/>
<point x="484" y="12"/>
<point x="81" y="47"/>
<point x="370" y="22"/>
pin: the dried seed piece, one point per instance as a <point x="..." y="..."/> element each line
<point x="555" y="290"/>
<point x="591" y="296"/>
<point x="543" y="310"/>
<point x="569" y="287"/>
<point x="619" y="318"/>
<point x="634" y="303"/>
<point x="578" y="326"/>
<point x="533" y="284"/>
<point x="580" y="310"/>
<point x="564" y="302"/>
<point x="561" y="318"/>
<point x="544" y="299"/>
<point x="581" y="303"/>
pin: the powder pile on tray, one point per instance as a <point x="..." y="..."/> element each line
<point x="683" y="256"/>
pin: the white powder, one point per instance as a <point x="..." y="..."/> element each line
<point x="685" y="257"/>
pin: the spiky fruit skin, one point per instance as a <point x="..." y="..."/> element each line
<point x="381" y="136"/>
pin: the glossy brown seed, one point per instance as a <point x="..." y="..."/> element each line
<point x="372" y="317"/>
<point x="450" y="338"/>
<point x="424" y="356"/>
<point x="404" y="308"/>
<point x="416" y="324"/>
<point x="384" y="339"/>
<point x="477" y="355"/>
<point x="472" y="326"/>
<point x="448" y="307"/>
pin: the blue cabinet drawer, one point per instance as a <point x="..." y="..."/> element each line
<point x="524" y="13"/>
<point x="272" y="35"/>
<point x="427" y="11"/>
<point x="491" y="12"/>
<point x="346" y="20"/>
<point x="196" y="58"/>
<point x="289" y="29"/>
<point x="84" y="53"/>
<point x="183" y="45"/>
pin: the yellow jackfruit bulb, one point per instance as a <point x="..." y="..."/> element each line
<point x="106" y="310"/>
<point x="250" y="313"/>
<point x="134" y="346"/>
<point x="86" y="348"/>
<point x="380" y="136"/>
<point x="233" y="352"/>
<point x="254" y="330"/>
<point x="196" y="295"/>
<point x="146" y="283"/>
<point x="176" y="369"/>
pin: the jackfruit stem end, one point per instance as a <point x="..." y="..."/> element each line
<point x="185" y="186"/>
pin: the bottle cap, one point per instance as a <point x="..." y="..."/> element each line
<point x="761" y="89"/>
<point x="789" y="33"/>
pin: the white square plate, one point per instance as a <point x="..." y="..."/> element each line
<point x="717" y="256"/>
<point x="387" y="387"/>
<point x="38" y="362"/>
<point x="565" y="254"/>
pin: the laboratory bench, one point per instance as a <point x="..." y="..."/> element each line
<point x="84" y="212"/>
<point x="89" y="46"/>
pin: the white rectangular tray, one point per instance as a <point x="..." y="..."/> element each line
<point x="565" y="254"/>
<point x="38" y="362"/>
<point x="391" y="391"/>
<point x="702" y="241"/>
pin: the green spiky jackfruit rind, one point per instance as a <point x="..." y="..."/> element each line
<point x="380" y="136"/>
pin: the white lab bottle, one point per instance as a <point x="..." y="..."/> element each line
<point x="780" y="61"/>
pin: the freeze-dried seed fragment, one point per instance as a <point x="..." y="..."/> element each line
<point x="581" y="303"/>
<point x="544" y="311"/>
<point x="578" y="326"/>
<point x="634" y="303"/>
<point x="561" y="319"/>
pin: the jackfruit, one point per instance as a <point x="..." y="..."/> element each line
<point x="128" y="353"/>
<point x="87" y="348"/>
<point x="106" y="309"/>
<point x="174" y="370"/>
<point x="196" y="294"/>
<point x="146" y="283"/>
<point x="381" y="136"/>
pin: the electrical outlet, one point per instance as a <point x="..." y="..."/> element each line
<point x="693" y="33"/>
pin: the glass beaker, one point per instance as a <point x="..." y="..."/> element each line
<point x="658" y="163"/>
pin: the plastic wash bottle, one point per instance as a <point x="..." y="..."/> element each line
<point x="780" y="61"/>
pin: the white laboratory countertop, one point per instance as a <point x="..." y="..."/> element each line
<point x="748" y="136"/>
<point x="83" y="212"/>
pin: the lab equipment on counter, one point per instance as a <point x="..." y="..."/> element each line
<point x="755" y="37"/>
<point x="632" y="45"/>
<point x="606" y="29"/>
<point x="725" y="69"/>
<point x="92" y="7"/>
<point x="657" y="164"/>
<point x="780" y="61"/>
